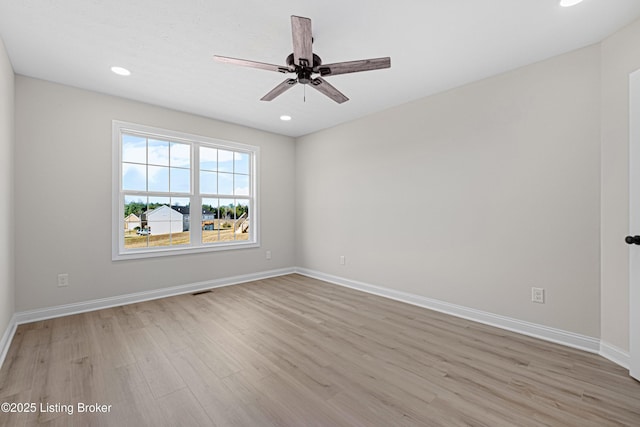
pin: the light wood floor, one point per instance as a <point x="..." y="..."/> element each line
<point x="293" y="351"/>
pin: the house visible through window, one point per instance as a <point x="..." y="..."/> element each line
<point x="177" y="193"/>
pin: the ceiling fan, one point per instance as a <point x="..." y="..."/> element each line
<point x="305" y="64"/>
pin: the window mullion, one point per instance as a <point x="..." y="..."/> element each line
<point x="196" y="199"/>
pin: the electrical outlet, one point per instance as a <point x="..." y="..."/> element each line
<point x="537" y="295"/>
<point x="63" y="280"/>
<point x="343" y="260"/>
<point x="268" y="255"/>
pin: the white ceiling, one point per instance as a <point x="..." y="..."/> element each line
<point x="168" y="45"/>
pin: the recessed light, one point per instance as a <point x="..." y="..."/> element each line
<point x="285" y="118"/>
<point x="568" y="3"/>
<point x="121" y="71"/>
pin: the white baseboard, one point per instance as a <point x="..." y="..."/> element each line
<point x="558" y="336"/>
<point x="570" y="339"/>
<point x="615" y="354"/>
<point x="6" y="339"/>
<point x="98" y="304"/>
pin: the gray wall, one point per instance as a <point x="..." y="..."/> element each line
<point x="471" y="196"/>
<point x="7" y="278"/>
<point x="620" y="57"/>
<point x="63" y="198"/>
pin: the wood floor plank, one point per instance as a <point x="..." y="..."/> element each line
<point x="214" y="397"/>
<point x="291" y="351"/>
<point x="19" y="365"/>
<point x="181" y="408"/>
<point x="160" y="375"/>
<point x="108" y="340"/>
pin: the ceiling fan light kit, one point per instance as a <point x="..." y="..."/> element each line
<point x="305" y="65"/>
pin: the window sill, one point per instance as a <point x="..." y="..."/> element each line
<point x="161" y="252"/>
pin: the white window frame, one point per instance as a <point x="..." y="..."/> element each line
<point x="118" y="250"/>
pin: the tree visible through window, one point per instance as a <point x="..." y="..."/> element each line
<point x="178" y="192"/>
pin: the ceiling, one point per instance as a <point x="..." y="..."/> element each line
<point x="168" y="45"/>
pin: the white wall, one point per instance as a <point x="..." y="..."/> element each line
<point x="620" y="57"/>
<point x="63" y="173"/>
<point x="471" y="196"/>
<point x="7" y="278"/>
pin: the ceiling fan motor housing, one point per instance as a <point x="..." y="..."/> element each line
<point x="303" y="70"/>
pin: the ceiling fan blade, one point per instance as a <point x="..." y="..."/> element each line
<point x="253" y="64"/>
<point x="302" y="41"/>
<point x="279" y="90"/>
<point x="324" y="87"/>
<point x="353" y="66"/>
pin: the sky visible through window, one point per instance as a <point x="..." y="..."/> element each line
<point x="165" y="166"/>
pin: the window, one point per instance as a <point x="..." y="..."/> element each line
<point x="179" y="193"/>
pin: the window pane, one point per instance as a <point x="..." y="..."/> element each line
<point x="135" y="205"/>
<point x="225" y="161"/>
<point x="134" y="235"/>
<point x="155" y="217"/>
<point x="210" y="222"/>
<point x="227" y="209"/>
<point x="180" y="155"/>
<point x="158" y="178"/>
<point x="227" y="219"/>
<point x="241" y="185"/>
<point x="233" y="223"/>
<point x="242" y="221"/>
<point x="158" y="152"/>
<point x="134" y="177"/>
<point x="208" y="182"/>
<point x="241" y="161"/>
<point x="180" y="213"/>
<point x="225" y="183"/>
<point x="180" y="180"/>
<point x="208" y="159"/>
<point x="158" y="221"/>
<point x="134" y="149"/>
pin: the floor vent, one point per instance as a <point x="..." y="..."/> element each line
<point x="201" y="292"/>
